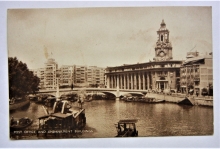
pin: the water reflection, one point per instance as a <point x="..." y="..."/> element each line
<point x="162" y="119"/>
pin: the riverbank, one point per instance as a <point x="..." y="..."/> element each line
<point x="175" y="98"/>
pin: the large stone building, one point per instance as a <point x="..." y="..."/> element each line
<point x="196" y="73"/>
<point x="162" y="73"/>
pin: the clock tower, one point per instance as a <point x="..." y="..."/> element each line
<point x="163" y="49"/>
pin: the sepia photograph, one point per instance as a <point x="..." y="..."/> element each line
<point x="77" y="73"/>
<point x="110" y="72"/>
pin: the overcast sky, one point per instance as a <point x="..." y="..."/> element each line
<point x="105" y="36"/>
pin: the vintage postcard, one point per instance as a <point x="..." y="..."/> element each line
<point x="110" y="72"/>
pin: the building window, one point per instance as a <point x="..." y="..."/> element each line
<point x="161" y="37"/>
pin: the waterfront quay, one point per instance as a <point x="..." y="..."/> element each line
<point x="172" y="98"/>
<point x="177" y="97"/>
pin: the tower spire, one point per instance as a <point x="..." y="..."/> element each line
<point x="163" y="23"/>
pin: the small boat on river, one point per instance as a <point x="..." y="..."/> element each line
<point x="62" y="117"/>
<point x="126" y="128"/>
<point x="20" y="123"/>
<point x="151" y="100"/>
<point x="143" y="99"/>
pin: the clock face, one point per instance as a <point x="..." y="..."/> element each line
<point x="161" y="54"/>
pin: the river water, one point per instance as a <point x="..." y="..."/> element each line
<point x="161" y="119"/>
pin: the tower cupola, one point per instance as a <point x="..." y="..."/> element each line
<point x="163" y="49"/>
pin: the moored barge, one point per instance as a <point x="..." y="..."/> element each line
<point x="63" y="119"/>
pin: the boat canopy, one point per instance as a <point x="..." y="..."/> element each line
<point x="128" y="121"/>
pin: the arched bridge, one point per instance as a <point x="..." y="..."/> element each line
<point x="108" y="91"/>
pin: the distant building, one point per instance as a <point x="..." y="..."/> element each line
<point x="80" y="76"/>
<point x="67" y="75"/>
<point x="50" y="74"/>
<point x="162" y="73"/>
<point x="95" y="76"/>
<point x="196" y="73"/>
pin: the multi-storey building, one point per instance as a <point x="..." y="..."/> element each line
<point x="101" y="77"/>
<point x="196" y="73"/>
<point x="162" y="73"/>
<point x="66" y="75"/>
<point x="80" y="75"/>
<point x="95" y="76"/>
<point x="50" y="74"/>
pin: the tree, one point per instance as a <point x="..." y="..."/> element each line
<point x="21" y="80"/>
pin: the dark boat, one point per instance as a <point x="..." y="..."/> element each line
<point x="42" y="97"/>
<point x="89" y="98"/>
<point x="20" y="123"/>
<point x="151" y="100"/>
<point x="128" y="99"/>
<point x="32" y="97"/>
<point x="50" y="101"/>
<point x="69" y="96"/>
<point x="62" y="117"/>
<point x="126" y="128"/>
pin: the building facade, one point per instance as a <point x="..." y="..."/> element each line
<point x="50" y="74"/>
<point x="95" y="76"/>
<point x="162" y="73"/>
<point x="80" y="75"/>
<point x="66" y="75"/>
<point x="197" y="74"/>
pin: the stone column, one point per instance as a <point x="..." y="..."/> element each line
<point x="121" y="84"/>
<point x="139" y="78"/>
<point x="117" y="81"/>
<point x="135" y="82"/>
<point x="125" y="81"/>
<point x="128" y="82"/>
<point x="144" y="87"/>
<point x="117" y="87"/>
<point x="148" y="81"/>
<point x="111" y="80"/>
<point x="108" y="81"/>
<point x="132" y="81"/>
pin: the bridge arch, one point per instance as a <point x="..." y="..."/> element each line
<point x="109" y="94"/>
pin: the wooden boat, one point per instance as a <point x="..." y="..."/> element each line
<point x="20" y="123"/>
<point x="69" y="96"/>
<point x="62" y="117"/>
<point x="50" y="101"/>
<point x="128" y="99"/>
<point x="151" y="100"/>
<point x="32" y="97"/>
<point x="89" y="98"/>
<point x="42" y="97"/>
<point x="126" y="128"/>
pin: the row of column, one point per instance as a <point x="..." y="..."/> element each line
<point x="129" y="81"/>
